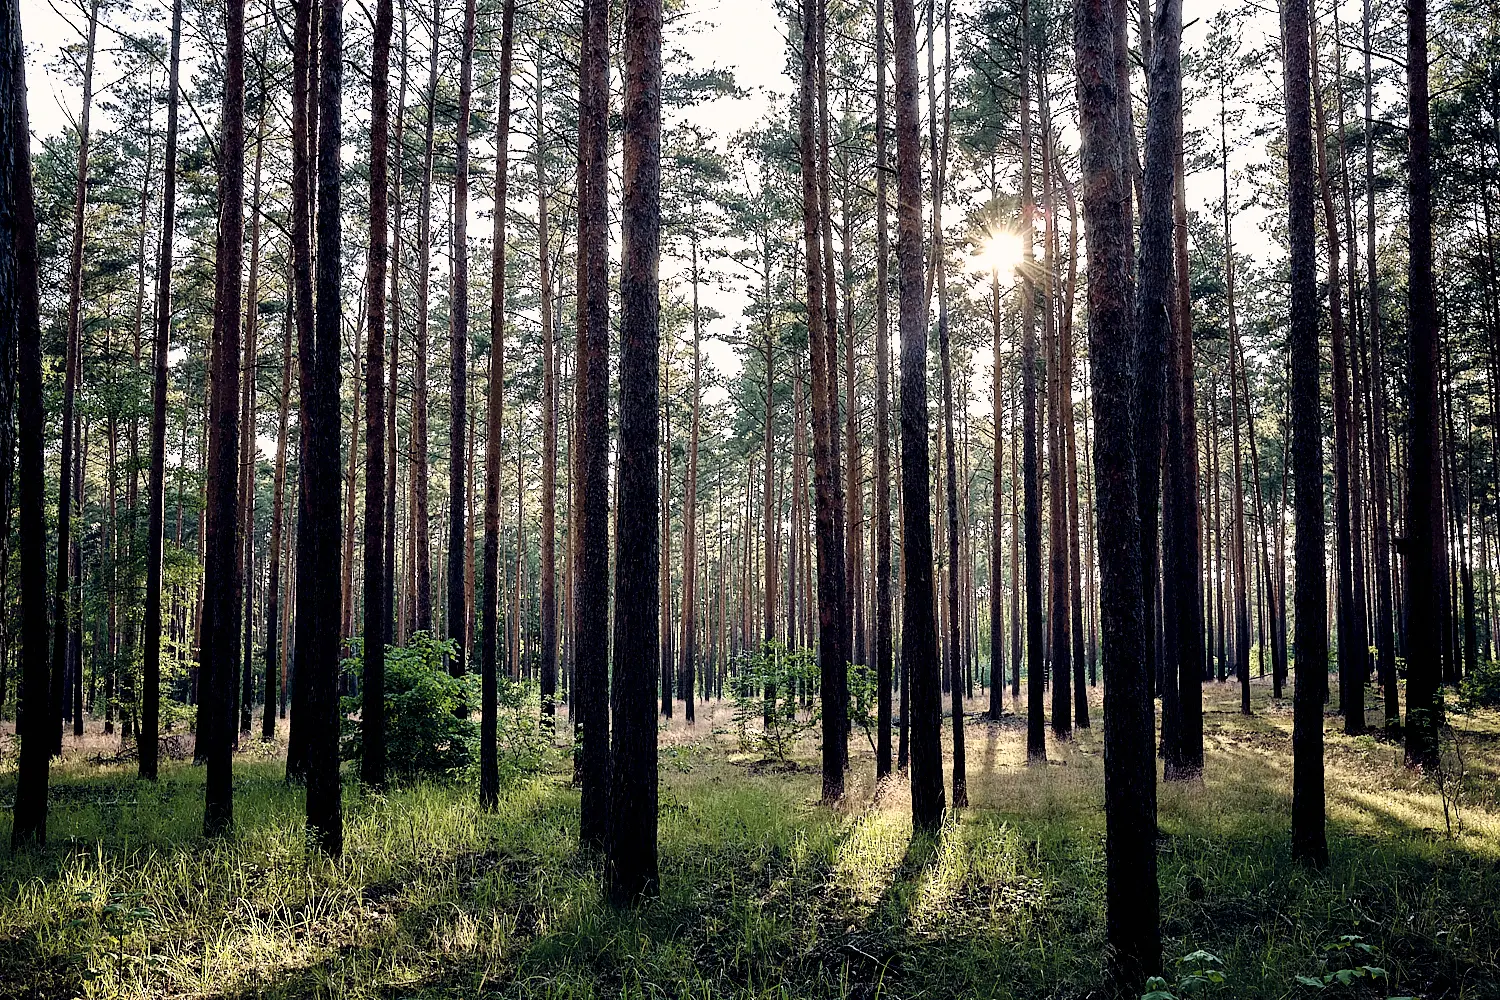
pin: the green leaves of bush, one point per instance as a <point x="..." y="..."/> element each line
<point x="428" y="729"/>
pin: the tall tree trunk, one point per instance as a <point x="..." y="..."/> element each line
<point x="1076" y="523"/>
<point x="372" y="681"/>
<point x="20" y="326"/>
<point x="62" y="608"/>
<point x="319" y="517"/>
<point x="591" y="493"/>
<point x="1309" y="842"/>
<point x="457" y="616"/>
<point x="997" y="478"/>
<point x="1036" y="732"/>
<point x="938" y="147"/>
<point x="882" y="485"/>
<point x="1131" y="892"/>
<point x="835" y="687"/>
<point x="548" y="552"/>
<point x="489" y="630"/>
<point x="919" y="649"/>
<point x="832" y="626"/>
<point x="1057" y="495"/>
<point x="247" y="446"/>
<point x="275" y="678"/>
<point x="392" y="479"/>
<point x="418" y="445"/>
<point x="148" y="742"/>
<point x="220" y="643"/>
<point x="1352" y="646"/>
<point x="1425" y="562"/>
<point x="304" y="140"/>
<point x="1385" y="628"/>
<point x="1190" y="612"/>
<point x="633" y="785"/>
<point x="690" y="511"/>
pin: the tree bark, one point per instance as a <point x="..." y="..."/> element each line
<point x="62" y="600"/>
<point x="220" y="643"/>
<point x="456" y="619"/>
<point x="633" y="786"/>
<point x="1309" y="842"/>
<point x="489" y="626"/>
<point x="1425" y="556"/>
<point x="20" y="323"/>
<point x="882" y="485"/>
<point x="1036" y="731"/>
<point x="919" y="649"/>
<point x="372" y="681"/>
<point x="418" y="443"/>
<point x="548" y="553"/>
<point x="319" y="517"/>
<point x="592" y="443"/>
<point x="148" y="743"/>
<point x="1131" y="892"/>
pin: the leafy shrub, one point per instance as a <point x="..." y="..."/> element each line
<point x="864" y="700"/>
<point x="1347" y="955"/>
<point x="1196" y="973"/>
<point x="429" y="731"/>
<point x="786" y="672"/>
<point x="521" y="741"/>
<point x="1481" y="688"/>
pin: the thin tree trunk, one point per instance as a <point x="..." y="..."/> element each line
<point x="148" y="743"/>
<point x="372" y="681"/>
<point x="690" y="513"/>
<point x="1352" y="645"/>
<point x="62" y="610"/>
<point x="489" y="626"/>
<point x="275" y="658"/>
<point x="549" y="420"/>
<point x="456" y="619"/>
<point x="418" y="444"/>
<point x="1036" y="735"/>
<point x="247" y="445"/>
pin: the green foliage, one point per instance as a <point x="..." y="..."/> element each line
<point x="864" y="694"/>
<point x="521" y="745"/>
<point x="428" y="730"/>
<point x="1481" y="688"/>
<point x="122" y="922"/>
<point x="1349" y="953"/>
<point x="787" y="673"/>
<point x="1196" y="974"/>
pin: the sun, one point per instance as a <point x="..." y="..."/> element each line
<point x="1000" y="252"/>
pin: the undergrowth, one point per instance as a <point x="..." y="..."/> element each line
<point x="765" y="893"/>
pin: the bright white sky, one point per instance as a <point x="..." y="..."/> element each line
<point x="743" y="35"/>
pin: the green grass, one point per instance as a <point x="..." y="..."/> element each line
<point x="765" y="893"/>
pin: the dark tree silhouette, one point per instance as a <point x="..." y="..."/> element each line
<point x="21" y="330"/>
<point x="919" y="645"/>
<point x="1309" y="842"/>
<point x="633" y="777"/>
<point x="1131" y="893"/>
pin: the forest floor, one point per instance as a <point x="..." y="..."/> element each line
<point x="765" y="893"/>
